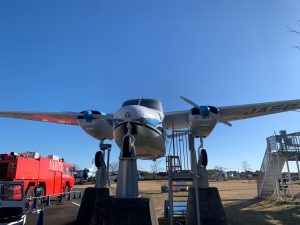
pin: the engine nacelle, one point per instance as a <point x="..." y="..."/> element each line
<point x="200" y="122"/>
<point x="96" y="127"/>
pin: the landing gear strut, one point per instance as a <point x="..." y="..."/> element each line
<point x="201" y="165"/>
<point x="127" y="185"/>
<point x="102" y="172"/>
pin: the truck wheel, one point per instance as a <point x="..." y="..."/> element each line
<point x="30" y="194"/>
<point x="40" y="194"/>
<point x="66" y="194"/>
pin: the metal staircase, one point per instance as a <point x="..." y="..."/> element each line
<point x="280" y="149"/>
<point x="179" y="181"/>
<point x="180" y="176"/>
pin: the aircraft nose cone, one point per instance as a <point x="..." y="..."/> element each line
<point x="128" y="113"/>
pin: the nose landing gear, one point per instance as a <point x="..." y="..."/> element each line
<point x="127" y="186"/>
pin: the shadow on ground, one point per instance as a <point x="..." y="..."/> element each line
<point x="262" y="212"/>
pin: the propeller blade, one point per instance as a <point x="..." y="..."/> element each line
<point x="225" y="122"/>
<point x="219" y="119"/>
<point x="190" y="102"/>
<point x="212" y="115"/>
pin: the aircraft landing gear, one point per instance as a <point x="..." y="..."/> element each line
<point x="127" y="185"/>
<point x="128" y="145"/>
<point x="201" y="165"/>
<point x="203" y="160"/>
<point x="102" y="172"/>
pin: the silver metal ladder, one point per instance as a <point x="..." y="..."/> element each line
<point x="181" y="175"/>
<point x="179" y="181"/>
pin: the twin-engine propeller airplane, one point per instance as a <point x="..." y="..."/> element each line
<point x="142" y="123"/>
<point x="140" y="128"/>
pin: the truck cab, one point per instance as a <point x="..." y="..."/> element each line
<point x="12" y="203"/>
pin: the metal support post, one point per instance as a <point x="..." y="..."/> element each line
<point x="107" y="170"/>
<point x="201" y="170"/>
<point x="48" y="201"/>
<point x="170" y="194"/>
<point x="281" y="179"/>
<point x="290" y="180"/>
<point x="102" y="173"/>
<point x="297" y="163"/>
<point x="127" y="185"/>
<point x="196" y="176"/>
<point x="101" y="170"/>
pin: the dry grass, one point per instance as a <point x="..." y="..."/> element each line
<point x="239" y="201"/>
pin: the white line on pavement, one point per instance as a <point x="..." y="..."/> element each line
<point x="76" y="203"/>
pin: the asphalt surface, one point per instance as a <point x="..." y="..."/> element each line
<point x="63" y="213"/>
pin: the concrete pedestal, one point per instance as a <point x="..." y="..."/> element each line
<point x="211" y="208"/>
<point x="98" y="208"/>
<point x="88" y="203"/>
<point x="124" y="211"/>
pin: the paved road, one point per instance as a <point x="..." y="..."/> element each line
<point x="64" y="213"/>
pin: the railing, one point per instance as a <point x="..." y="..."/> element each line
<point x="288" y="142"/>
<point x="263" y="170"/>
<point x="47" y="198"/>
<point x="282" y="143"/>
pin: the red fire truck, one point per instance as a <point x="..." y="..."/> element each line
<point x="42" y="176"/>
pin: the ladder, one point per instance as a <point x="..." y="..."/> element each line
<point x="179" y="181"/>
<point x="182" y="171"/>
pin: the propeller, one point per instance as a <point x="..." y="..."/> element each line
<point x="89" y="115"/>
<point x="212" y="115"/>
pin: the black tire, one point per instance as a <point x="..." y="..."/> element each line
<point x="40" y="194"/>
<point x="30" y="194"/>
<point x="98" y="159"/>
<point x="127" y="147"/>
<point x="203" y="157"/>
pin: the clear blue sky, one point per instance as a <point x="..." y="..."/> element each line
<point x="77" y="55"/>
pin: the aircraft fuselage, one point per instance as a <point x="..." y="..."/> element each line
<point x="147" y="129"/>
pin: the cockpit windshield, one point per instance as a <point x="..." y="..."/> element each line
<point x="149" y="103"/>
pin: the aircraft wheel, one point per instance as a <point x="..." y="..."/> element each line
<point x="98" y="159"/>
<point x="203" y="157"/>
<point x="127" y="146"/>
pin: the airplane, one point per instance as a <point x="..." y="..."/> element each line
<point x="142" y="123"/>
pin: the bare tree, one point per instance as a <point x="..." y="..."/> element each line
<point x="245" y="166"/>
<point x="76" y="166"/>
<point x="295" y="31"/>
<point x="113" y="166"/>
<point x="155" y="166"/>
<point x="219" y="168"/>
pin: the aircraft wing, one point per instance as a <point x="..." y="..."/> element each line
<point x="70" y="118"/>
<point x="54" y="117"/>
<point x="239" y="112"/>
<point x="176" y="120"/>
<point x="179" y="120"/>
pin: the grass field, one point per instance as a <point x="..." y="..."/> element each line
<point x="239" y="201"/>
